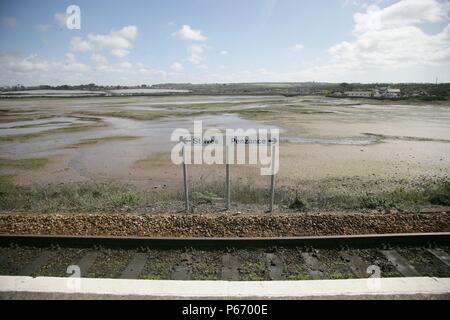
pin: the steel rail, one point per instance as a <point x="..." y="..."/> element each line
<point x="341" y="241"/>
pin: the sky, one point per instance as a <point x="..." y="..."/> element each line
<point x="137" y="42"/>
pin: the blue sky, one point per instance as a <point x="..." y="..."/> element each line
<point x="134" y="42"/>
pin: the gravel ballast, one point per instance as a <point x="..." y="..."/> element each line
<point x="222" y="225"/>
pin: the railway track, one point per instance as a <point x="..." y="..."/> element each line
<point x="299" y="258"/>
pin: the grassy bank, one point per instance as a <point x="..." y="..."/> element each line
<point x="353" y="194"/>
<point x="338" y="194"/>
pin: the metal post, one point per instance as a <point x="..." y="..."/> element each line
<point x="186" y="191"/>
<point x="272" y="180"/>
<point x="228" y="177"/>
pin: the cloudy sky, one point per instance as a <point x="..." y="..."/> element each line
<point x="154" y="41"/>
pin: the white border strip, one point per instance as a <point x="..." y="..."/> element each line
<point x="224" y="289"/>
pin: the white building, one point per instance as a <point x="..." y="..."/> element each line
<point x="358" y="94"/>
<point x="393" y="93"/>
<point x="387" y="93"/>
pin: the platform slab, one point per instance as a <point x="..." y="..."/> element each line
<point x="21" y="287"/>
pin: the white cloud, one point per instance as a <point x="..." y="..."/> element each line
<point x="224" y="52"/>
<point x="296" y="48"/>
<point x="77" y="44"/>
<point x="128" y="32"/>
<point x="32" y="63"/>
<point x="387" y="44"/>
<point x="61" y="19"/>
<point x="176" y="66"/>
<point x="119" y="53"/>
<point x="390" y="38"/>
<point x="126" y="65"/>
<point x="394" y="47"/>
<point x="118" y="42"/>
<point x="70" y="56"/>
<point x="99" y="59"/>
<point x="35" y="70"/>
<point x="187" y="33"/>
<point x="400" y="14"/>
<point x="195" y="54"/>
<point x="43" y="28"/>
<point x="362" y="3"/>
<point x="9" y="22"/>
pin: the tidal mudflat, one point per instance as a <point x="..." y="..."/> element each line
<point x="127" y="139"/>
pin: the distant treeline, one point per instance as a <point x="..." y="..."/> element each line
<point x="424" y="91"/>
<point x="82" y="87"/>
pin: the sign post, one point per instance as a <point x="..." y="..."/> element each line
<point x="256" y="144"/>
<point x="228" y="177"/>
<point x="272" y="180"/>
<point x="186" y="191"/>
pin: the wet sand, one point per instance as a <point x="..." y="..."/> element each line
<point x="321" y="138"/>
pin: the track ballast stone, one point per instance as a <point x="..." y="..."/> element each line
<point x="222" y="225"/>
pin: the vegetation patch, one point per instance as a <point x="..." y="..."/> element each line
<point x="205" y="110"/>
<point x="440" y="195"/>
<point x="70" y="129"/>
<point x="110" y="263"/>
<point x="59" y="267"/>
<point x="297" y="204"/>
<point x="22" y="117"/>
<point x="253" y="270"/>
<point x="135" y="115"/>
<point x="77" y="197"/>
<point x="351" y="194"/>
<point x="206" y="266"/>
<point x="26" y="164"/>
<point x="6" y="179"/>
<point x="404" y="138"/>
<point x="205" y="197"/>
<point x="104" y="139"/>
<point x="154" y="159"/>
<point x="159" y="265"/>
<point x="224" y="105"/>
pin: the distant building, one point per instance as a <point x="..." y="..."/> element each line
<point x="358" y="94"/>
<point x="337" y="94"/>
<point x="418" y="93"/>
<point x="386" y="93"/>
<point x="393" y="93"/>
<point x="377" y="93"/>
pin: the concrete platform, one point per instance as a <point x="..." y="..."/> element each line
<point x="19" y="287"/>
